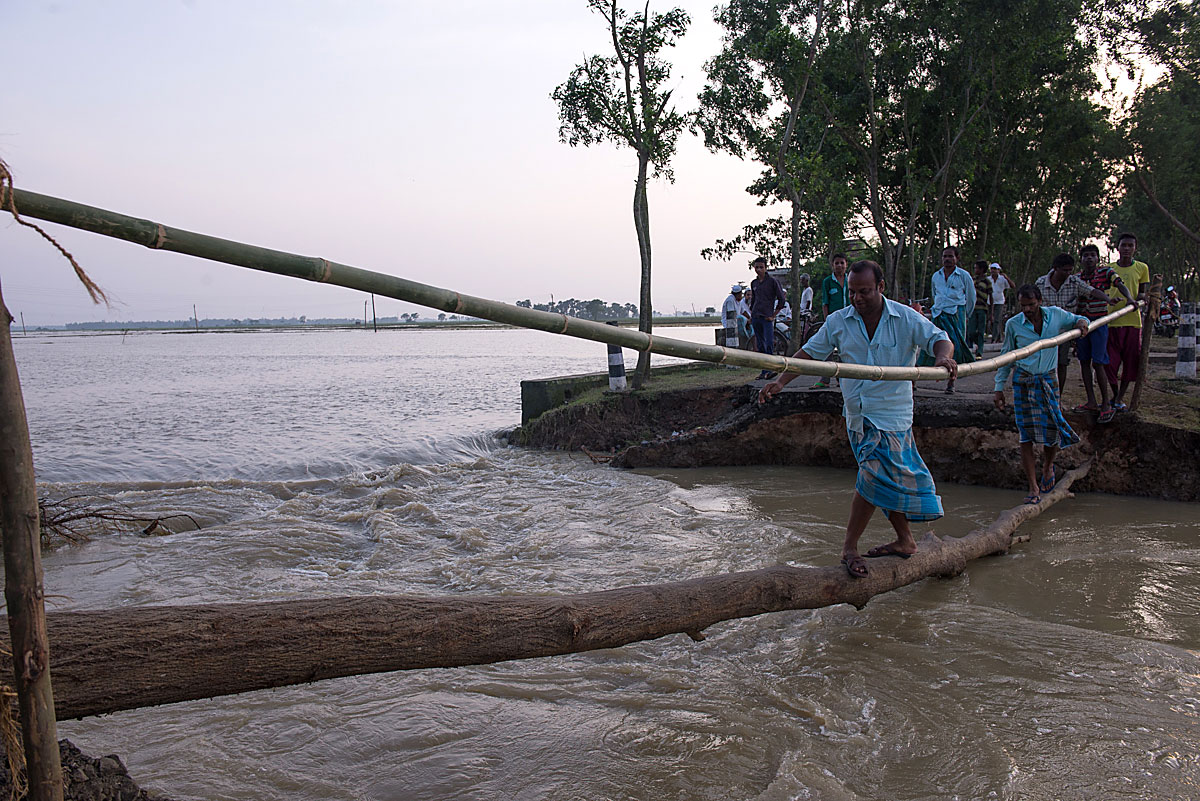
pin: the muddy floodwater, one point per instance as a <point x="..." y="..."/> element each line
<point x="349" y="463"/>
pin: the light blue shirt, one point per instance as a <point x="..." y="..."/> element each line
<point x="951" y="294"/>
<point x="1018" y="332"/>
<point x="899" y="338"/>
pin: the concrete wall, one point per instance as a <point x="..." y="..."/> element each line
<point x="540" y="395"/>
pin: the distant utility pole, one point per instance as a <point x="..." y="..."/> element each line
<point x="374" y="319"/>
<point x="24" y="333"/>
<point x="195" y="318"/>
<point x="364" y="314"/>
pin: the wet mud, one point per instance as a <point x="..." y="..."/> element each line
<point x="963" y="440"/>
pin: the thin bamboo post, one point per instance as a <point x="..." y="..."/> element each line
<point x="23" y="581"/>
<point x="1152" y="300"/>
<point x="158" y="236"/>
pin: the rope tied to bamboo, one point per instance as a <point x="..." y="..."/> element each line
<point x="9" y="202"/>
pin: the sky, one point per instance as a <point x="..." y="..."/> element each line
<point x="415" y="138"/>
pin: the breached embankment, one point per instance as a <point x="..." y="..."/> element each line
<point x="963" y="440"/>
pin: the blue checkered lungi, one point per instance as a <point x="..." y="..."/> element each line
<point x="892" y="475"/>
<point x="1038" y="411"/>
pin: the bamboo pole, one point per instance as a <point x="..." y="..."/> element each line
<point x="1152" y="300"/>
<point x="23" y="590"/>
<point x="158" y="236"/>
<point x="134" y="657"/>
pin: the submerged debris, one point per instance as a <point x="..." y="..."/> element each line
<point x="78" y="518"/>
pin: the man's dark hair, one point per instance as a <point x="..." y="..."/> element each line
<point x="1029" y="291"/>
<point x="837" y="256"/>
<point x="1092" y="248"/>
<point x="981" y="266"/>
<point x="866" y="265"/>
<point x="1062" y="260"/>
<point x="951" y="247"/>
<point x="1127" y="235"/>
<point x="758" y="260"/>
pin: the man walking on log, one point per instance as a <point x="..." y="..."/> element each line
<point x="1035" y="391"/>
<point x="953" y="298"/>
<point x="891" y="474"/>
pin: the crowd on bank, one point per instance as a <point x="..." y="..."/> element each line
<point x="863" y="326"/>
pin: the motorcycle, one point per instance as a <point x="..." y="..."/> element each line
<point x="783" y="333"/>
<point x="1167" y="324"/>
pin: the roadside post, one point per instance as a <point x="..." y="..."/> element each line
<point x="616" y="367"/>
<point x="1185" y="351"/>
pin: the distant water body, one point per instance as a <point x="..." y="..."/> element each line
<point x="346" y="463"/>
<point x="284" y="404"/>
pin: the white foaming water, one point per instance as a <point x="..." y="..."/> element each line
<point x="345" y="463"/>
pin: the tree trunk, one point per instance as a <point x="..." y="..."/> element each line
<point x="794" y="272"/>
<point x="641" y="223"/>
<point x="1153" y="298"/>
<point x="23" y="588"/>
<point x="135" y="657"/>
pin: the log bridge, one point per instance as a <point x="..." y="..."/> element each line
<point x="106" y="661"/>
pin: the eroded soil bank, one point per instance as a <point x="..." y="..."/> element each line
<point x="88" y="778"/>
<point x="963" y="440"/>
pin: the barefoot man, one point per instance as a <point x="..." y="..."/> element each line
<point x="891" y="474"/>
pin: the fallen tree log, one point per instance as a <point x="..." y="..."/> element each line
<point x="145" y="656"/>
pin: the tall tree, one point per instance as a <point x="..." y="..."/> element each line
<point x="1164" y="121"/>
<point x="754" y="106"/>
<point x="623" y="99"/>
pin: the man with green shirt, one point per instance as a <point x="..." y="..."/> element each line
<point x="833" y="288"/>
<point x="1125" y="332"/>
<point x="833" y="297"/>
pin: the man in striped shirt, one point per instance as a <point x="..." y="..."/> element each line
<point x="1092" y="349"/>
<point x="1062" y="288"/>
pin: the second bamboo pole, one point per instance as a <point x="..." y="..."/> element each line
<point x="23" y="588"/>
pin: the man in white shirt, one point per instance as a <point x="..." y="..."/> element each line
<point x="953" y="295"/>
<point x="729" y="315"/>
<point x="806" y="294"/>
<point x="1000" y="283"/>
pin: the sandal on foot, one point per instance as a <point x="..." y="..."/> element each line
<point x="1032" y="498"/>
<point x="1106" y="416"/>
<point x="820" y="385"/>
<point x="1083" y="407"/>
<point x="855" y="565"/>
<point x="1047" y="484"/>
<point x="887" y="549"/>
<point x="1119" y="407"/>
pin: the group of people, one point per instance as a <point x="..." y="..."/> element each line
<point x="873" y="330"/>
<point x="749" y="315"/>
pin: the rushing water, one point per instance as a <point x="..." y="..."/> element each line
<point x="339" y="463"/>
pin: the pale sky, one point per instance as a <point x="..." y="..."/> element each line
<point x="415" y="138"/>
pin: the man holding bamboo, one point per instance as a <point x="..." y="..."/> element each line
<point x="1035" y="391"/>
<point x="873" y="330"/>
